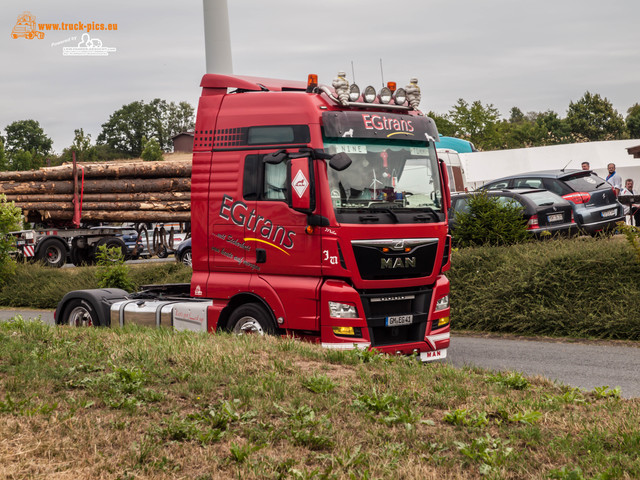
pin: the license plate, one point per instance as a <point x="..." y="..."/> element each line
<point x="399" y="320"/>
<point x="609" y="213"/>
<point x="556" y="217"/>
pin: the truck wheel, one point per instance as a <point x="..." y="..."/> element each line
<point x="110" y="242"/>
<point x="79" y="313"/>
<point x="53" y="252"/>
<point x="80" y="256"/>
<point x="251" y="319"/>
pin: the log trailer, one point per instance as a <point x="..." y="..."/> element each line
<point x="75" y="209"/>
<point x="316" y="212"/>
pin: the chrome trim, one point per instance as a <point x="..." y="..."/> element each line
<point x="346" y="345"/>
<point x="397" y="244"/>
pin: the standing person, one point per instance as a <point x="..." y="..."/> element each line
<point x="586" y="166"/>
<point x="633" y="209"/>
<point x="614" y="179"/>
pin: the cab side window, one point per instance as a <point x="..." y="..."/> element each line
<point x="275" y="181"/>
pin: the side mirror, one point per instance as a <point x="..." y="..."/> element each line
<point x="275" y="158"/>
<point x="340" y="161"/>
<point x="301" y="198"/>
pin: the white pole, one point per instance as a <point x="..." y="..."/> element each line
<point x="217" y="38"/>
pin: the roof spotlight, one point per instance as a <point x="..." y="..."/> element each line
<point x="369" y="94"/>
<point x="385" y="95"/>
<point x="400" y="96"/>
<point x="354" y="93"/>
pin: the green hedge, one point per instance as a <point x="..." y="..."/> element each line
<point x="36" y="286"/>
<point x="582" y="287"/>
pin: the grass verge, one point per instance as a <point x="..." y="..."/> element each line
<point x="152" y="403"/>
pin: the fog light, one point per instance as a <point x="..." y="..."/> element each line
<point x="354" y="93"/>
<point x="342" y="310"/>
<point x="442" y="303"/>
<point x="400" y="96"/>
<point x="369" y="94"/>
<point x="385" y="95"/>
<point x="443" y="321"/>
<point x="344" y="331"/>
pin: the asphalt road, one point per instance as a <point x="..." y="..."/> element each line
<point x="584" y="365"/>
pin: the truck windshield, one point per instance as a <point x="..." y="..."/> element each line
<point x="391" y="178"/>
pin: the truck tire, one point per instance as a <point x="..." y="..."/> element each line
<point x="52" y="252"/>
<point x="251" y="319"/>
<point x="80" y="256"/>
<point x="110" y="242"/>
<point x="79" y="313"/>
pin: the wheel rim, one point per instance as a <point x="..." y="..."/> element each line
<point x="186" y="258"/>
<point x="53" y="255"/>
<point x="248" y="326"/>
<point x="80" y="317"/>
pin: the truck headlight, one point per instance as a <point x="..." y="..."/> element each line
<point x="442" y="303"/>
<point x="342" y="310"/>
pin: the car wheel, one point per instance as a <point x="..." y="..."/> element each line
<point x="162" y="252"/>
<point x="185" y="257"/>
<point x="79" y="313"/>
<point x="52" y="252"/>
<point x="251" y="319"/>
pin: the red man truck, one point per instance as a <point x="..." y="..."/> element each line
<point x="317" y="212"/>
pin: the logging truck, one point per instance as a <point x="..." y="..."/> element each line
<point x="77" y="208"/>
<point x="317" y="212"/>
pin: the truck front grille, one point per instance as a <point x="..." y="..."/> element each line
<point x="378" y="305"/>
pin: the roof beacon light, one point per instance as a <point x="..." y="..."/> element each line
<point x="312" y="82"/>
<point x="354" y="93"/>
<point x="341" y="86"/>
<point x="385" y="95"/>
<point x="391" y="86"/>
<point x="400" y="96"/>
<point x="413" y="93"/>
<point x="369" y="94"/>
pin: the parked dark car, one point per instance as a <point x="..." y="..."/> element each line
<point x="541" y="209"/>
<point x="595" y="206"/>
<point x="183" y="252"/>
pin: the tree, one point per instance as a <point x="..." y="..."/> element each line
<point x="9" y="222"/>
<point x="594" y="119"/>
<point x="26" y="144"/>
<point x="85" y="152"/>
<point x="152" y="151"/>
<point x="446" y="128"/>
<point x="127" y="126"/>
<point x="633" y="121"/>
<point x="4" y="162"/>
<point x="476" y="123"/>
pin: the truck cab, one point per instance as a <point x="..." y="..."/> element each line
<point x="343" y="254"/>
<point x="316" y="212"/>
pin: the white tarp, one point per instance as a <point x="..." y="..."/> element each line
<point x="481" y="167"/>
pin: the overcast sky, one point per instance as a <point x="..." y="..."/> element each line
<point x="536" y="55"/>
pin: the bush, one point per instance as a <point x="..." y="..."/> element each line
<point x="489" y="222"/>
<point x="9" y="222"/>
<point x="112" y="272"/>
<point x="151" y="150"/>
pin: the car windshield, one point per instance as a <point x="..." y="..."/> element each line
<point x="385" y="175"/>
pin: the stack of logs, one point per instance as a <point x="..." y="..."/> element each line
<point x="108" y="192"/>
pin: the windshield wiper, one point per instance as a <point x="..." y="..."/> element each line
<point x="386" y="210"/>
